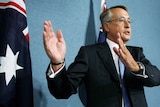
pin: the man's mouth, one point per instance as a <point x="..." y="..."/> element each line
<point x="127" y="32"/>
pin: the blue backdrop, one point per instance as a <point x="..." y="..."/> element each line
<point x="79" y="22"/>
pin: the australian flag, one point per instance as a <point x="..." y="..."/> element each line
<point x="16" y="89"/>
<point x="101" y="37"/>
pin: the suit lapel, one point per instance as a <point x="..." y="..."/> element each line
<point x="106" y="57"/>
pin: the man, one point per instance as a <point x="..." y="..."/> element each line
<point x="100" y="65"/>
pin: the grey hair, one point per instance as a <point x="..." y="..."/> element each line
<point x="107" y="15"/>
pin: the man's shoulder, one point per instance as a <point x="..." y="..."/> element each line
<point x="93" y="47"/>
<point x="135" y="49"/>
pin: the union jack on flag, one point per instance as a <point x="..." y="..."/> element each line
<point x="16" y="89"/>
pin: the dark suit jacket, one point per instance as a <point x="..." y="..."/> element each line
<point x="95" y="66"/>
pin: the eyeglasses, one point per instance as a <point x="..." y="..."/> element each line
<point x="121" y="20"/>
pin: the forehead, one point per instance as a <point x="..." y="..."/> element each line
<point x="119" y="12"/>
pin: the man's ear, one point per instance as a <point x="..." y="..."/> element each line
<point x="106" y="26"/>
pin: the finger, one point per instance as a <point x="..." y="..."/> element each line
<point x="44" y="39"/>
<point x="45" y="25"/>
<point x="46" y="28"/>
<point x="116" y="50"/>
<point x="46" y="32"/>
<point x="50" y="29"/>
<point x="60" y="36"/>
<point x="50" y="26"/>
<point x="121" y="50"/>
<point x="122" y="55"/>
<point x="121" y="43"/>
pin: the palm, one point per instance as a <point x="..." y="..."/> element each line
<point x="54" y="44"/>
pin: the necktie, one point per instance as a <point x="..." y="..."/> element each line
<point x="124" y="91"/>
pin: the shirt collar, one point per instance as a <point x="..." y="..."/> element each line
<point x="111" y="46"/>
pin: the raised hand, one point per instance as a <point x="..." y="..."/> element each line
<point x="125" y="55"/>
<point x="54" y="44"/>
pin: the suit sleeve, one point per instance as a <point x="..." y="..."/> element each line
<point x="66" y="81"/>
<point x="151" y="71"/>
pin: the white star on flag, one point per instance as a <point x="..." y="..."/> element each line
<point x="9" y="64"/>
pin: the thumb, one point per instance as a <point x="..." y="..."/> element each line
<point x="60" y="36"/>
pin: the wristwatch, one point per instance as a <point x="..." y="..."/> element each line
<point x="141" y="66"/>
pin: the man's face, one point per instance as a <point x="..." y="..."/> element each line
<point x="119" y="23"/>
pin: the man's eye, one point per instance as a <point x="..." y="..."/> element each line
<point x="122" y="20"/>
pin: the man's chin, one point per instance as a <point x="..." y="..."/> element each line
<point x="126" y="40"/>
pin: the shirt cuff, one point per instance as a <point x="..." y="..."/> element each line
<point x="142" y="71"/>
<point x="51" y="73"/>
